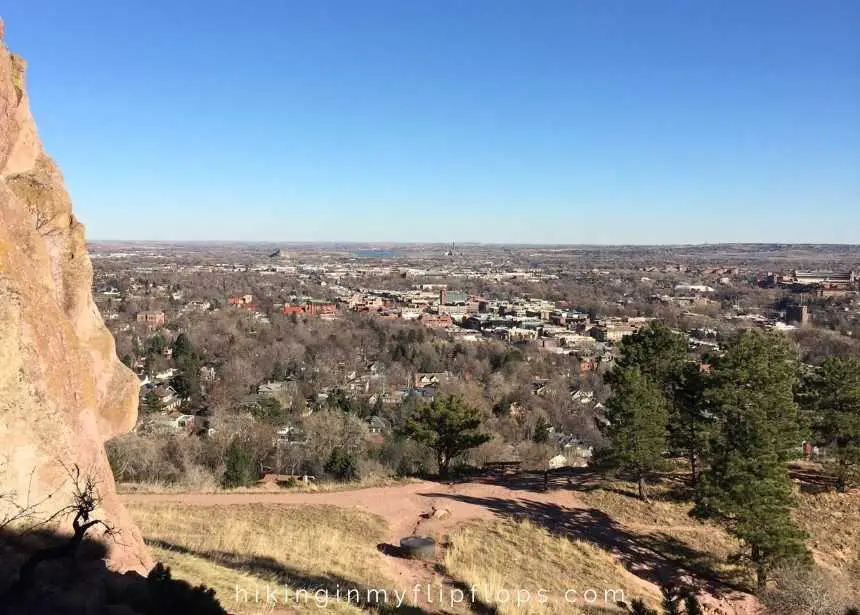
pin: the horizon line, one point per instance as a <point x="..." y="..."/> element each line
<point x="354" y="242"/>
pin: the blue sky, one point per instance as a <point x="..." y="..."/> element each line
<point x="598" y="121"/>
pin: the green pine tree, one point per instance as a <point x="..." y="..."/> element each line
<point x="541" y="431"/>
<point x="671" y="600"/>
<point x="747" y="487"/>
<point x="239" y="467"/>
<point x="269" y="410"/>
<point x="658" y="352"/>
<point x="662" y="356"/>
<point x="448" y="427"/>
<point x="638" y="415"/>
<point x="831" y="400"/>
<point x="152" y="403"/>
<point x="692" y="424"/>
<point x="182" y="347"/>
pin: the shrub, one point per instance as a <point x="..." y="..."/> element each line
<point x="342" y="466"/>
<point x="405" y="457"/>
<point x="797" y="590"/>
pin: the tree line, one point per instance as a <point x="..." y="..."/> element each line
<point x="737" y="418"/>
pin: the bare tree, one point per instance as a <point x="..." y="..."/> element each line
<point x="85" y="501"/>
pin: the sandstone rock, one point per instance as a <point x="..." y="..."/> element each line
<point x="440" y="513"/>
<point x="62" y="390"/>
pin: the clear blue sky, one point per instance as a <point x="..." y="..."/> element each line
<point x="598" y="121"/>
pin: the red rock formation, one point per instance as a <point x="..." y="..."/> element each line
<point x="62" y="390"/>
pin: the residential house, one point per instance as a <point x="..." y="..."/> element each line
<point x="152" y="319"/>
<point x="424" y="379"/>
<point x="378" y="425"/>
<point x="171" y="424"/>
<point x="170" y="400"/>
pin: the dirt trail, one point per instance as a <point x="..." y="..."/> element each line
<point x="409" y="510"/>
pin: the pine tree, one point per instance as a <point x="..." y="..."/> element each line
<point x="661" y="356"/>
<point x="658" y="352"/>
<point x="638" y="414"/>
<point x="448" y="427"/>
<point x="831" y="400"/>
<point x="152" y="403"/>
<point x="182" y="347"/>
<point x="541" y="431"/>
<point x="239" y="467"/>
<point x="747" y="487"/>
<point x="693" y="423"/>
<point x="187" y="381"/>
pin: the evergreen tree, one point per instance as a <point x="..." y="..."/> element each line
<point x="269" y="410"/>
<point x="661" y="356"/>
<point x="671" y="600"/>
<point x="638" y="414"/>
<point x="448" y="427"/>
<point x="342" y="465"/>
<point x="541" y="432"/>
<point x="658" y="352"/>
<point x="831" y="400"/>
<point x="693" y="422"/>
<point x="182" y="347"/>
<point x="747" y="487"/>
<point x="152" y="403"/>
<point x="187" y="381"/>
<point x="156" y="344"/>
<point x="239" y="469"/>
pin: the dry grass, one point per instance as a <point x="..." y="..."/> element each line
<point x="519" y="555"/>
<point x="312" y="487"/>
<point x="310" y="547"/>
<point x="832" y="521"/>
<point x="667" y="513"/>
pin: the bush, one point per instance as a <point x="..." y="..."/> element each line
<point x="198" y="478"/>
<point x="162" y="594"/>
<point x="144" y="460"/>
<point x="797" y="590"/>
<point x="342" y="466"/>
<point x="405" y="457"/>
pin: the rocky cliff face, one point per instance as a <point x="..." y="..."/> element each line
<point x="62" y="390"/>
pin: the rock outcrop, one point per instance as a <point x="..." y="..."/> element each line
<point x="62" y="390"/>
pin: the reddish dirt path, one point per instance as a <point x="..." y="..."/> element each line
<point x="400" y="505"/>
<point x="409" y="509"/>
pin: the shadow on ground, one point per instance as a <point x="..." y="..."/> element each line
<point x="329" y="586"/>
<point x="657" y="557"/>
<point x="40" y="573"/>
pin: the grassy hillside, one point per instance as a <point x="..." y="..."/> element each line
<point x="604" y="538"/>
<point x="252" y="546"/>
<point x="501" y="558"/>
<point x="832" y="521"/>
